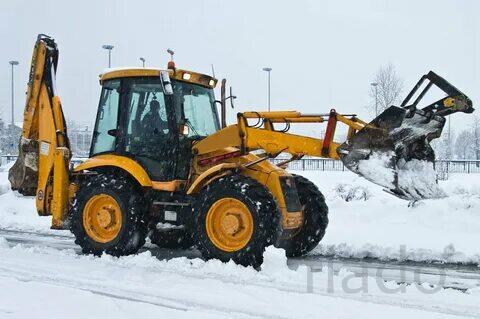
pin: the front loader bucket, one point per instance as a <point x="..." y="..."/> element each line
<point x="23" y="175"/>
<point x="394" y="151"/>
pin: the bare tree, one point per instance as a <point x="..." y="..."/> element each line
<point x="464" y="145"/>
<point x="444" y="146"/>
<point x="476" y="136"/>
<point x="385" y="88"/>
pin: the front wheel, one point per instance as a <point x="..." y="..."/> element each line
<point x="315" y="220"/>
<point x="236" y="218"/>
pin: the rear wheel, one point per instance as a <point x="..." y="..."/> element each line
<point x="315" y="220"/>
<point x="108" y="216"/>
<point x="236" y="218"/>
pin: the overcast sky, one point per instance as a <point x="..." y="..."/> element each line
<point x="324" y="54"/>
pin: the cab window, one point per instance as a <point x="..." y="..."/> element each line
<point x="104" y="140"/>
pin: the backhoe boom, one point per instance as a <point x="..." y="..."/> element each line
<point x="42" y="165"/>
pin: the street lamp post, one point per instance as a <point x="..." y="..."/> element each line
<point x="268" y="70"/>
<point x="109" y="47"/>
<point x="143" y="62"/>
<point x="13" y="63"/>
<point x="375" y="85"/>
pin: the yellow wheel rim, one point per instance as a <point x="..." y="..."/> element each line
<point x="229" y="224"/>
<point x="102" y="218"/>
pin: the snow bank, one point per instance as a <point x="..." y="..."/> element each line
<point x="385" y="227"/>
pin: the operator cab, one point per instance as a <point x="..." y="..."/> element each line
<point x="154" y="116"/>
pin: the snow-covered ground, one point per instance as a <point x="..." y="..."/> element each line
<point x="51" y="282"/>
<point x="373" y="223"/>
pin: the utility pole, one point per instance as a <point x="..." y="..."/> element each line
<point x="143" y="62"/>
<point x="268" y="70"/>
<point x="13" y="63"/>
<point x="375" y="85"/>
<point x="109" y="47"/>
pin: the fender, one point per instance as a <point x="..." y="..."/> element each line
<point x="204" y="178"/>
<point x="125" y="163"/>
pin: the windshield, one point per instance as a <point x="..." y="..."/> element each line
<point x="195" y="106"/>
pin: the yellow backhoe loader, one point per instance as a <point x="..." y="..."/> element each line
<point x="162" y="166"/>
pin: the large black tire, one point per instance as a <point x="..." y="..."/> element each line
<point x="132" y="233"/>
<point x="172" y="239"/>
<point x="262" y="208"/>
<point x="315" y="214"/>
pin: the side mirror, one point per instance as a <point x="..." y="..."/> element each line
<point x="113" y="132"/>
<point x="166" y="83"/>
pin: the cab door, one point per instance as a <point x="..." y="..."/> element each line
<point x="148" y="127"/>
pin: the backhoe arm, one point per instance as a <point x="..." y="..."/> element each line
<point x="42" y="165"/>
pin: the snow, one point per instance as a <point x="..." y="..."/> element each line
<point x="376" y="169"/>
<point x="418" y="179"/>
<point x="376" y="224"/>
<point x="364" y="222"/>
<point x="80" y="286"/>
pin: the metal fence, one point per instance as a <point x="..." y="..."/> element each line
<point x="322" y="164"/>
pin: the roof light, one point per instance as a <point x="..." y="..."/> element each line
<point x="186" y="76"/>
<point x="211" y="83"/>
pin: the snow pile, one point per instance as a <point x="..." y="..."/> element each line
<point x="419" y="179"/>
<point x="17" y="211"/>
<point x="377" y="169"/>
<point x="274" y="261"/>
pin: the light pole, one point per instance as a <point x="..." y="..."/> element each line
<point x="109" y="47"/>
<point x="143" y="62"/>
<point x="268" y="70"/>
<point x="13" y="63"/>
<point x="375" y="85"/>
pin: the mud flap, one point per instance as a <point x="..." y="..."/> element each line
<point x="394" y="151"/>
<point x="23" y="175"/>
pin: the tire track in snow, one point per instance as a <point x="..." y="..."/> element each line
<point x="459" y="277"/>
<point x="47" y="240"/>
